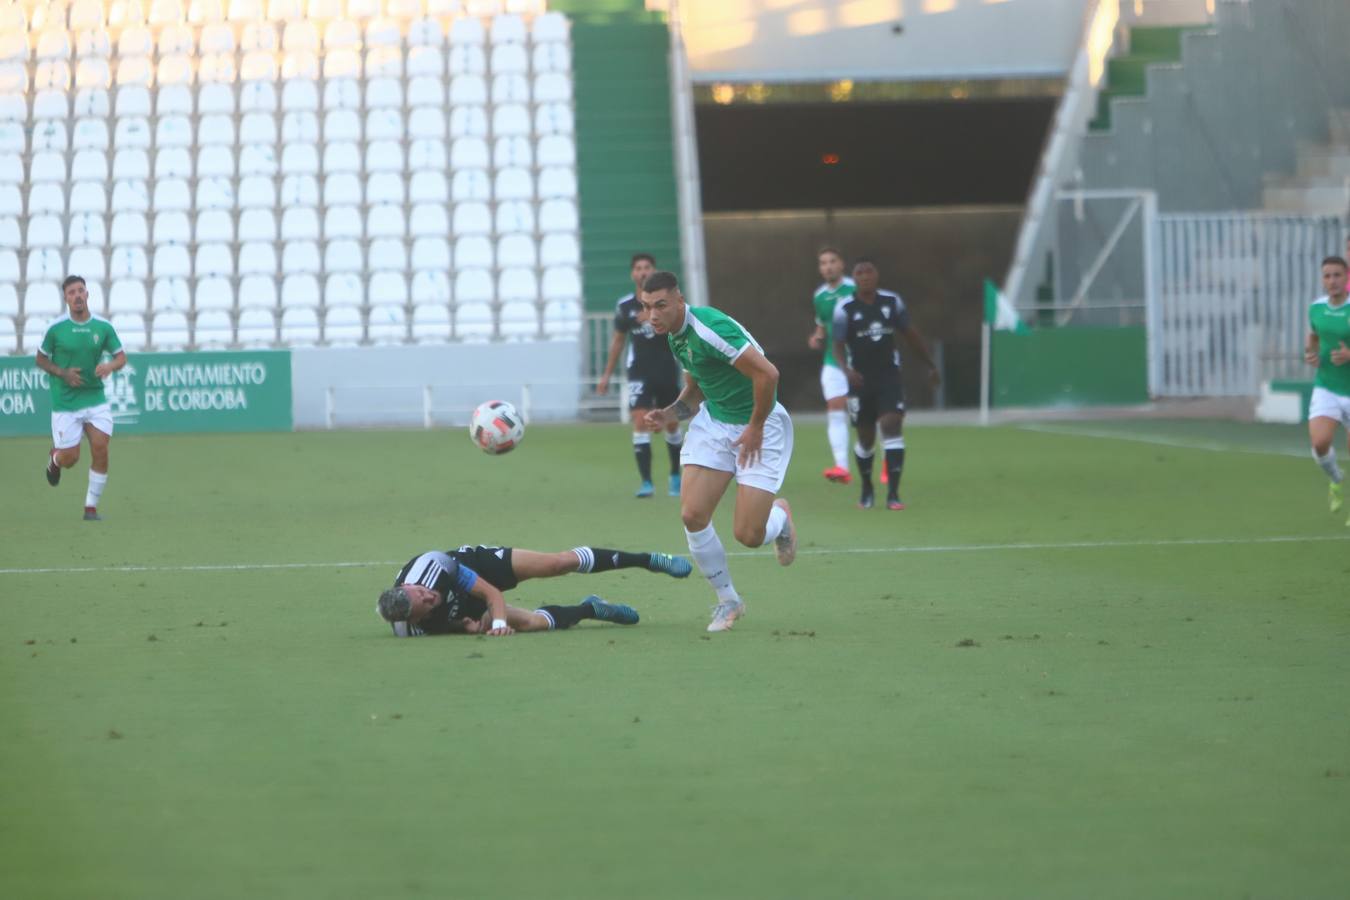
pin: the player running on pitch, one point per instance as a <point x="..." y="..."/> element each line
<point x="460" y="591"/>
<point x="1328" y="348"/>
<point x="836" y="289"/>
<point x="738" y="430"/>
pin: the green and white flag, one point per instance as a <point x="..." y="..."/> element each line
<point x="999" y="312"/>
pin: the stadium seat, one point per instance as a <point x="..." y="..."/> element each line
<point x="510" y="88"/>
<point x="468" y="90"/>
<point x="89" y="134"/>
<point x="299" y="190"/>
<point x="213" y="293"/>
<point x="470" y="218"/>
<point x="385" y="187"/>
<point x="384" y="32"/>
<point x="300" y="65"/>
<point x="561" y="283"/>
<point x="46" y="198"/>
<point x="171" y="193"/>
<point x="557" y="150"/>
<point x="12" y="139"/>
<point x="46" y="105"/>
<point x="509" y="59"/>
<point x="516" y="250"/>
<point x="426" y="92"/>
<point x="424" y="33"/>
<point x="256" y="192"/>
<point x="344" y="289"/>
<point x="130" y="165"/>
<point x="214" y="226"/>
<point x="257" y="159"/>
<point x="518" y="320"/>
<point x="388" y="254"/>
<point x="175" y="69"/>
<point x="254" y="96"/>
<point x="49" y="136"/>
<point x="300" y="127"/>
<point x="551" y="26"/>
<point x="9" y="335"/>
<point x="35" y="323"/>
<point x="552" y="87"/>
<point x="431" y="253"/>
<point x="9" y="267"/>
<point x="218" y="68"/>
<point x="473" y="286"/>
<point x="49" y="165"/>
<point x="52" y="74"/>
<point x="341" y="90"/>
<point x="218" y="99"/>
<point x="300" y="257"/>
<point x="428" y="187"/>
<point x="14" y="77"/>
<point x="471" y="184"/>
<point x="557" y="183"/>
<point x="172" y="227"/>
<point x="86" y="14"/>
<point x="213" y="260"/>
<point x="129" y="261"/>
<point x="431" y="323"/>
<point x="215" y="162"/>
<point x="343" y="256"/>
<point x="445" y="9"/>
<point x="467" y="59"/>
<point x="134" y="71"/>
<point x="14" y="108"/>
<point x="559" y="249"/>
<point x="426" y="62"/>
<point x="257" y="225"/>
<point x="173" y="131"/>
<point x="385" y="221"/>
<point x="474" y="251"/>
<point x="387" y="125"/>
<point x="129" y="228"/>
<point x="169" y="330"/>
<point x="341" y="125"/>
<point x="130" y="329"/>
<point x="426" y="155"/>
<point x="171" y="261"/>
<point x="256" y="35"/>
<point x="300" y="94"/>
<point x="388" y="289"/>
<point x="384" y="156"/>
<point x="215" y="130"/>
<point x="9" y="232"/>
<point x="342" y="222"/>
<point x="553" y="118"/>
<point x="342" y="189"/>
<point x="510" y="119"/>
<point x="257" y="328"/>
<point x="474" y="321"/>
<point x="215" y="193"/>
<point x="342" y="326"/>
<point x="509" y="152"/>
<point x="384" y="67"/>
<point x="467" y="31"/>
<point x="299" y="223"/>
<point x="507" y="28"/>
<point x="127" y="296"/>
<point x="518" y="284"/>
<point x="45" y="230"/>
<point x="89" y="165"/>
<point x="341" y="156"/>
<point x="175" y="38"/>
<point x="212" y="328"/>
<point x="258" y="291"/>
<point x="11" y="200"/>
<point x="299" y="326"/>
<point x="469" y="153"/>
<point x="468" y="121"/>
<point x="88" y="262"/>
<point x="171" y="294"/>
<point x="257" y="129"/>
<point x="257" y="258"/>
<point x="562" y="319"/>
<point x="388" y="323"/>
<point x="299" y="159"/>
<point x="515" y="215"/>
<point x="514" y="184"/>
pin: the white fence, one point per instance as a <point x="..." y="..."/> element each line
<point x="1233" y="299"/>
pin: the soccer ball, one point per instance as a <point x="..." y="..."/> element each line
<point x="496" y="427"/>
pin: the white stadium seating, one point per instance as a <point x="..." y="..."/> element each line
<point x="254" y="172"/>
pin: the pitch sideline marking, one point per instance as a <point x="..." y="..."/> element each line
<point x="808" y="551"/>
<point x="1178" y="443"/>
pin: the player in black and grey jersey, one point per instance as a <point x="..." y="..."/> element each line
<point x="460" y="591"/>
<point x="654" y="379"/>
<point x="866" y="327"/>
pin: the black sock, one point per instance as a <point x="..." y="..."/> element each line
<point x="674" y="451"/>
<point x="895" y="464"/>
<point x="864" y="465"/>
<point x="599" y="559"/>
<point x="643" y="453"/>
<point x="566" y="616"/>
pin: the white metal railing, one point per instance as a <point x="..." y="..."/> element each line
<point x="1060" y="158"/>
<point x="1233" y="296"/>
<point x="432" y="405"/>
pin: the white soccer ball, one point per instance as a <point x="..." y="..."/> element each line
<point x="496" y="427"/>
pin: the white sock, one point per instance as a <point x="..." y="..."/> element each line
<point x="836" y="426"/>
<point x="641" y="437"/>
<point x="96" y="482"/>
<point x="711" y="558"/>
<point x="774" y="527"/>
<point x="1328" y="464"/>
<point x="864" y="452"/>
<point x="675" y="438"/>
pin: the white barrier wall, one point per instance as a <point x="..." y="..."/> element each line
<point x="812" y="40"/>
<point x="417" y="386"/>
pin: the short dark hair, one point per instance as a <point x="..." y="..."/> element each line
<point x="71" y="279"/>
<point x="829" y="249"/>
<point x="639" y="257"/>
<point x="864" y="261"/>
<point x="1336" y="261"/>
<point x="660" y="281"/>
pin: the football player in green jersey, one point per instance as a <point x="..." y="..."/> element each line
<point x="70" y="354"/>
<point x="837" y="289"/>
<point x="1328" y="348"/>
<point x="738" y="429"/>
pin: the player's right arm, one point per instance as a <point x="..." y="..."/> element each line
<point x="496" y="604"/>
<point x="69" y="376"/>
<point x="840" y="355"/>
<point x="615" y="347"/>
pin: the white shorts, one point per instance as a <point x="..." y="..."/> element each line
<point x="68" y="427"/>
<point x="1329" y="405"/>
<point x="833" y="382"/>
<point x="708" y="443"/>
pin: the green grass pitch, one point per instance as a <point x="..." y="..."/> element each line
<point x="1097" y="661"/>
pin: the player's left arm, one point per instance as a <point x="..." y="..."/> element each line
<point x="919" y="344"/>
<point x="103" y="370"/>
<point x="764" y="375"/>
<point x="1312" y="349"/>
<point x="496" y="604"/>
<point x="685" y="406"/>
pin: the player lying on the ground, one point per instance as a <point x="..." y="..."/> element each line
<point x="460" y="591"/>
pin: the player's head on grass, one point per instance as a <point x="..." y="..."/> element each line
<point x="831" y="264"/>
<point x="1334" y="271"/>
<point x="865" y="275"/>
<point x="640" y="268"/>
<point x="76" y="295"/>
<point x="662" y="302"/>
<point x="406" y="602"/>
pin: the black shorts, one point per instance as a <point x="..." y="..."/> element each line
<point x="876" y="398"/>
<point x="651" y="394"/>
<point x="492" y="564"/>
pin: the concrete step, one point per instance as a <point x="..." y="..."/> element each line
<point x="1321" y="160"/>
<point x="1166" y="12"/>
<point x="1340" y="127"/>
<point x="1312" y="201"/>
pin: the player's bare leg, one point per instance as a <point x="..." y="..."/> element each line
<point x="98" y="471"/>
<point x="702" y="489"/>
<point x="836" y="429"/>
<point x="1322" y="434"/>
<point x="893" y="443"/>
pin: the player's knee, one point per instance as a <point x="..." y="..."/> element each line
<point x="1322" y="448"/>
<point x="694" y="520"/>
<point x="749" y="535"/>
<point x="68" y="457"/>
